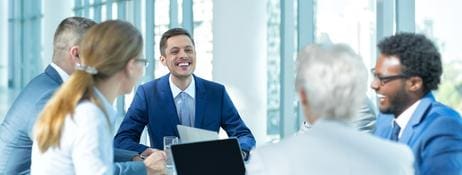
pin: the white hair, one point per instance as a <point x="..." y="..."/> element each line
<point x="334" y="79"/>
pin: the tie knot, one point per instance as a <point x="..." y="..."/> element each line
<point x="183" y="94"/>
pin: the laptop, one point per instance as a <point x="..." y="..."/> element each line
<point x="215" y="157"/>
<point x="190" y="134"/>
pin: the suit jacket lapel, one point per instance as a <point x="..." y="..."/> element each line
<point x="200" y="102"/>
<point x="167" y="98"/>
<point x="53" y="74"/>
<point x="416" y="118"/>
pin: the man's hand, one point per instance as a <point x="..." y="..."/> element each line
<point x="155" y="163"/>
<point x="144" y="154"/>
<point x="147" y="152"/>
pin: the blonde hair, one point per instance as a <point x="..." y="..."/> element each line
<point x="108" y="47"/>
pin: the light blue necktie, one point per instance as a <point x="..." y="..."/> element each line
<point x="185" y="109"/>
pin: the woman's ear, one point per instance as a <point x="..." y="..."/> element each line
<point x="130" y="67"/>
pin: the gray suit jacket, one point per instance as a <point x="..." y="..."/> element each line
<point x="16" y="129"/>
<point x="365" y="120"/>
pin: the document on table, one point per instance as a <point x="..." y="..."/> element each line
<point x="190" y="134"/>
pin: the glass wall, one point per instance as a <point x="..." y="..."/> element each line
<point x="273" y="93"/>
<point x="20" y="59"/>
<point x="358" y="23"/>
<point x="438" y="21"/>
<point x="350" y="22"/>
<point x="203" y="18"/>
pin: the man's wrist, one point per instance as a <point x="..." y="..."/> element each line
<point x="138" y="158"/>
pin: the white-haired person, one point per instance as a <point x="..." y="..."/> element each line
<point x="74" y="134"/>
<point x="330" y="82"/>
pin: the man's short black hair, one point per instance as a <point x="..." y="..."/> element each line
<point x="418" y="56"/>
<point x="171" y="33"/>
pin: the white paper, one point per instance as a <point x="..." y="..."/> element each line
<point x="190" y="134"/>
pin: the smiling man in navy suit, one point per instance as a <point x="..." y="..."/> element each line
<point x="407" y="70"/>
<point x="179" y="97"/>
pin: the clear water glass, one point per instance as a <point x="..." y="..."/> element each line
<point x="169" y="141"/>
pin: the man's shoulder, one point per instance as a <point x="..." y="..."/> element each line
<point x="347" y="148"/>
<point x="441" y="120"/>
<point x="438" y="115"/>
<point x="438" y="108"/>
<point x="208" y="83"/>
<point x="37" y="91"/>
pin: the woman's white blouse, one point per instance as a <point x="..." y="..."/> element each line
<point x="86" y="145"/>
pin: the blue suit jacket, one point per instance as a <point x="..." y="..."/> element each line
<point x="153" y="106"/>
<point x="16" y="129"/>
<point x="434" y="133"/>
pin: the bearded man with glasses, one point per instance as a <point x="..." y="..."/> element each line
<point x="407" y="70"/>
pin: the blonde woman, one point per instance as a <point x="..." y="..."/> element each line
<point x="74" y="133"/>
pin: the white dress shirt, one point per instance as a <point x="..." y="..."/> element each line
<point x="190" y="90"/>
<point x="404" y="117"/>
<point x="64" y="76"/>
<point x="86" y="142"/>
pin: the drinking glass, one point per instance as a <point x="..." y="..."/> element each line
<point x="169" y="141"/>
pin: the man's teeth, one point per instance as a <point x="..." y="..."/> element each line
<point x="183" y="64"/>
<point x="380" y="97"/>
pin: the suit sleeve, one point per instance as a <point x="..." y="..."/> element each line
<point x="128" y="136"/>
<point x="442" y="151"/>
<point x="122" y="155"/>
<point x="234" y="126"/>
<point x="133" y="167"/>
<point x="365" y="120"/>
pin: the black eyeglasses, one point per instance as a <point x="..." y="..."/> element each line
<point x="142" y="60"/>
<point x="385" y="79"/>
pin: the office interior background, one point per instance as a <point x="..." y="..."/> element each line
<point x="248" y="45"/>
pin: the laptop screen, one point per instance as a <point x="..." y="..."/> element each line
<point x="214" y="157"/>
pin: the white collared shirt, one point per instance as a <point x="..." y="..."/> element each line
<point x="85" y="145"/>
<point x="404" y="118"/>
<point x="190" y="90"/>
<point x="64" y="76"/>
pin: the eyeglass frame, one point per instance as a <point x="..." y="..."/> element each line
<point x="143" y="60"/>
<point x="385" y="79"/>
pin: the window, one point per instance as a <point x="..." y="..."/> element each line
<point x="203" y="18"/>
<point x="437" y="20"/>
<point x="274" y="86"/>
<point x="350" y="22"/>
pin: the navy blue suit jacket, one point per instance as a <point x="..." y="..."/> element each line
<point x="16" y="129"/>
<point x="434" y="133"/>
<point x="153" y="106"/>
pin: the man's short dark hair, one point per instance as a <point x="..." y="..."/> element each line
<point x="171" y="33"/>
<point x="418" y="56"/>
